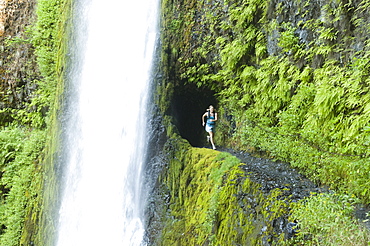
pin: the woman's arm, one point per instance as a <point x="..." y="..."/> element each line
<point x="204" y="115"/>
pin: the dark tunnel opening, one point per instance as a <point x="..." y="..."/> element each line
<point x="188" y="105"/>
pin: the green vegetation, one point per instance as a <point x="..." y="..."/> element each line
<point x="326" y="219"/>
<point x="20" y="180"/>
<point x="296" y="89"/>
<point x="301" y="100"/>
<point x="213" y="202"/>
<point x="293" y="80"/>
<point x="28" y="140"/>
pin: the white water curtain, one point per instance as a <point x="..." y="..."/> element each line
<point x="105" y="123"/>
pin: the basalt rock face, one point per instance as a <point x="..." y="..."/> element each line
<point x="289" y="78"/>
<point x="283" y="74"/>
<point x="346" y="22"/>
<point x="195" y="34"/>
<point x="18" y="70"/>
<point x="207" y="197"/>
<point x="340" y="19"/>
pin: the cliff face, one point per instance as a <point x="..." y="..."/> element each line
<point x="289" y="78"/>
<point x="18" y="64"/>
<point x="32" y="53"/>
<point x="207" y="197"/>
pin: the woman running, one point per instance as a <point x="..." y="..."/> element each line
<point x="210" y="123"/>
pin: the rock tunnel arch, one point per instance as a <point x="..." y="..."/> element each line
<point x="188" y="105"/>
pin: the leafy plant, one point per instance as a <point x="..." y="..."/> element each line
<point x="20" y="150"/>
<point x="326" y="219"/>
<point x="23" y="140"/>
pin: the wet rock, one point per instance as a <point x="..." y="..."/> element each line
<point x="278" y="175"/>
<point x="362" y="213"/>
<point x="291" y="229"/>
<point x="274" y="174"/>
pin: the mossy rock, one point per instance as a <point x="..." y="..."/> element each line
<point x="213" y="202"/>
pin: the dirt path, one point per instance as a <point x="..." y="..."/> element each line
<point x="275" y="174"/>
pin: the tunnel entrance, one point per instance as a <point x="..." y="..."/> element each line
<point x="188" y="106"/>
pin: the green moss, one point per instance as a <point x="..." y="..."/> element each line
<point x="31" y="140"/>
<point x="296" y="89"/>
<point x="20" y="180"/>
<point x="213" y="201"/>
<point x="293" y="86"/>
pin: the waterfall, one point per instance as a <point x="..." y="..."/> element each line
<point x="105" y="129"/>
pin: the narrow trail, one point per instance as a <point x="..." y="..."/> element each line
<point x="271" y="174"/>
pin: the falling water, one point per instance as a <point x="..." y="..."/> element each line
<point x="105" y="123"/>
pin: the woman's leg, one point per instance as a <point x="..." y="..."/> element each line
<point x="211" y="138"/>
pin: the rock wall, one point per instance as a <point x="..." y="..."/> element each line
<point x="30" y="45"/>
<point x="18" y="69"/>
<point x="290" y="79"/>
<point x="205" y="198"/>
